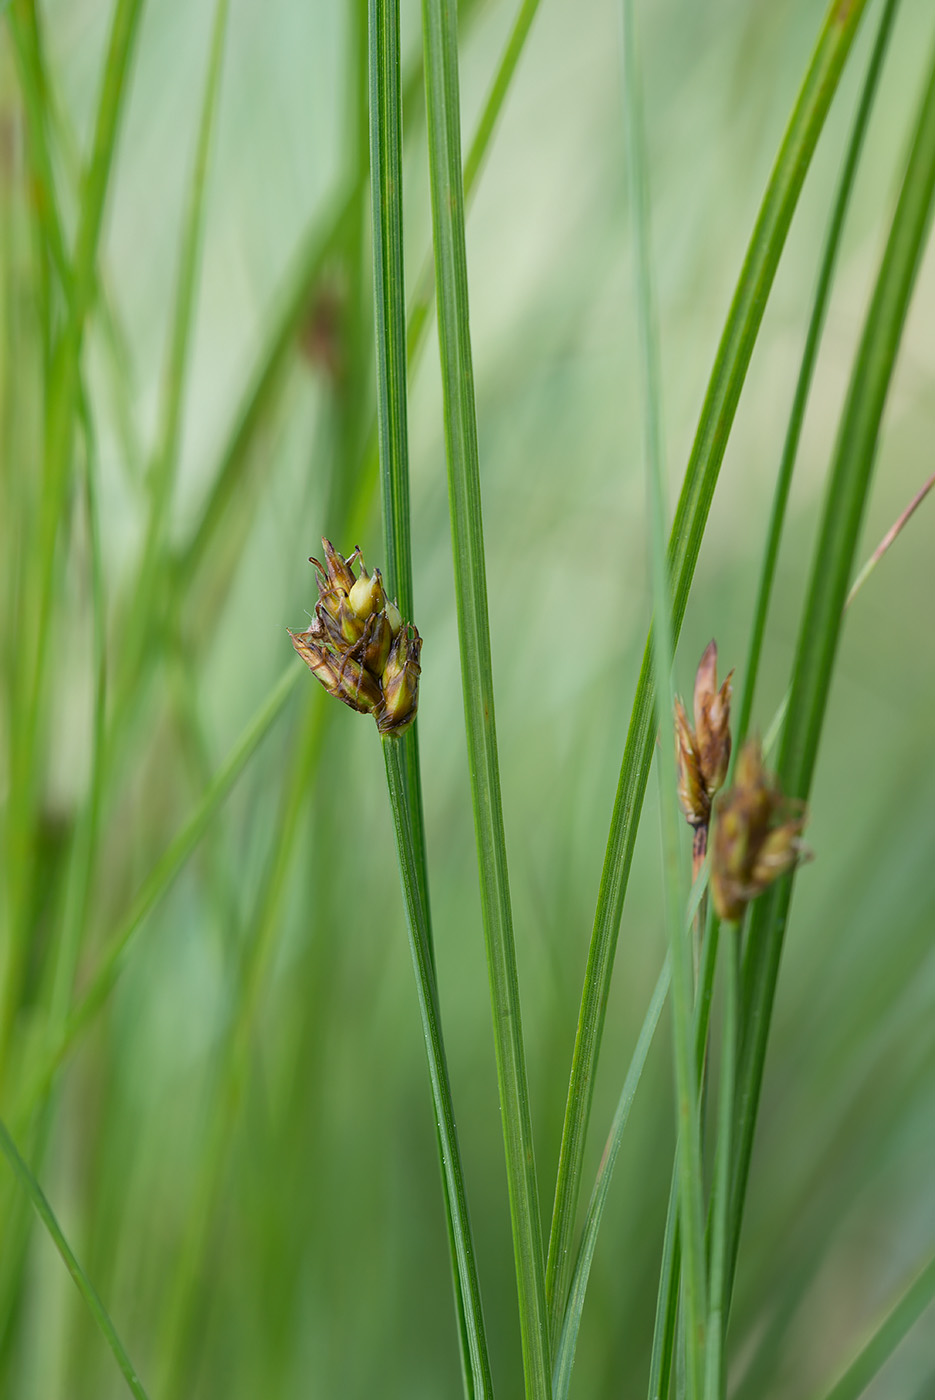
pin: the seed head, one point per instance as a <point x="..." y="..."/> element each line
<point x="702" y="753"/>
<point x="358" y="645"/>
<point x="756" y="835"/>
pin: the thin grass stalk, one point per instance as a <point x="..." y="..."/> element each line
<point x="320" y="242"/>
<point x="819" y="635"/>
<point x="156" y="885"/>
<point x="228" y="1076"/>
<point x="889" y="539"/>
<point x="568" y="1340"/>
<point x="716" y="1374"/>
<point x="163" y="467"/>
<point x="81" y="864"/>
<point x="701" y="475"/>
<point x="567" y="1343"/>
<point x="667" y="1298"/>
<point x="691" y="1176"/>
<point x="438" y="1071"/>
<point x="807" y="369"/>
<point x="178" y="1327"/>
<point x="444" y="133"/>
<point x="477" y="153"/>
<point x="83" y="854"/>
<point x="62" y="403"/>
<point x="389" y="287"/>
<point x="263" y="386"/>
<point x="44" y="108"/>
<point x="386" y="179"/>
<point x="269" y="371"/>
<point x="390" y="295"/>
<point x="83" y="1283"/>
<point x="887" y="1337"/>
<point x="23" y="23"/>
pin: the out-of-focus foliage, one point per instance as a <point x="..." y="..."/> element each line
<point x="240" y="1147"/>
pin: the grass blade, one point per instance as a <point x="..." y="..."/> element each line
<point x="85" y="1287"/>
<point x="567" y="1342"/>
<point x="60" y="416"/>
<point x="389" y="294"/>
<point x="823" y="611"/>
<point x="161" y="878"/>
<point x="716" y="1376"/>
<point x="444" y="123"/>
<point x="807" y="370"/>
<point x="402" y="756"/>
<point x="389" y="288"/>
<point x="664" y="1327"/>
<point x="891" y="1331"/>
<point x="456" y="1197"/>
<point x="717" y="416"/>
<point x="477" y="153"/>
<point x="691" y="1177"/>
<point x="163" y="467"/>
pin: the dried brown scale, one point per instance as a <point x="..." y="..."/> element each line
<point x="358" y="645"/>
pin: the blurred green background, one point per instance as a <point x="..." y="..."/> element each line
<point x="303" y="1252"/>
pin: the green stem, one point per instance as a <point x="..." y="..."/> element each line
<point x="716" y="1375"/>
<point x="386" y="186"/>
<point x="61" y="406"/>
<point x="389" y="287"/>
<point x="807" y="370"/>
<point x="163" y="467"/>
<point x="85" y="1287"/>
<point x="158" y="882"/>
<point x="568" y="1340"/>
<point x="820" y="629"/>
<point x="438" y="1068"/>
<point x="701" y="475"/>
<point x="444" y="135"/>
<point x="691" y="1178"/>
<point x="894" y="1327"/>
<point x="664" y="1328"/>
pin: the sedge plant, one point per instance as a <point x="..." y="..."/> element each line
<point x="212" y="1107"/>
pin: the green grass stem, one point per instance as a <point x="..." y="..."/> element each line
<point x="438" y="1071"/>
<point x="691" y="1174"/>
<point x="872" y="1357"/>
<point x="83" y="1283"/>
<point x="60" y="415"/>
<point x="716" y="1372"/>
<point x="726" y="382"/>
<point x="568" y="1340"/>
<point x="807" y="369"/>
<point x="444" y="133"/>
<point x="846" y="495"/>
<point x="389" y="287"/>
<point x="662" y="1356"/>
<point x="160" y="879"/>
<point x="386" y="186"/>
<point x="162" y="469"/>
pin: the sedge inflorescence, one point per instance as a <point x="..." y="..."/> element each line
<point x="359" y="646"/>
<point x="756" y="837"/>
<point x="757" y="829"/>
